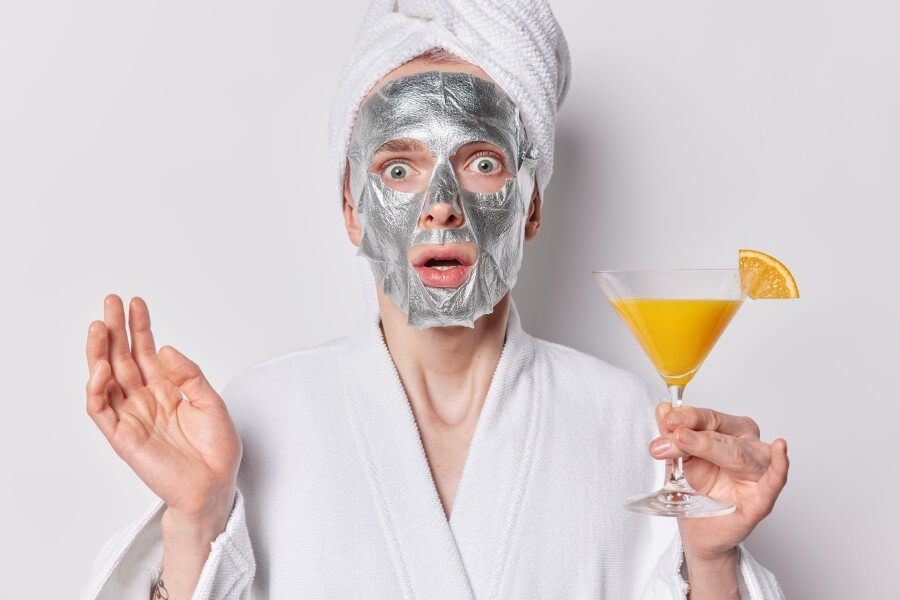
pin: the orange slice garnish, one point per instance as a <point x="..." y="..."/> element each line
<point x="763" y="276"/>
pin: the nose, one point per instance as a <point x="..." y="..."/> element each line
<point x="442" y="209"/>
<point x="441" y="216"/>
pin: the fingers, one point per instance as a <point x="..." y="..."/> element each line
<point x="662" y="409"/>
<point x="775" y="477"/>
<point x="143" y="348"/>
<point x="707" y="419"/>
<point x="98" y="401"/>
<point x="123" y="366"/>
<point x="185" y="374"/>
<point x="96" y="347"/>
<point x="96" y="351"/>
<point x="745" y="458"/>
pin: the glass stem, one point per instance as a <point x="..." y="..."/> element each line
<point x="677" y="475"/>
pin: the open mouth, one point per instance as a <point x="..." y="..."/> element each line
<point x="443" y="265"/>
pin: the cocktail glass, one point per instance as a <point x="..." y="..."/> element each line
<point x="677" y="315"/>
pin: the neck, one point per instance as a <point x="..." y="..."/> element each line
<point x="446" y="371"/>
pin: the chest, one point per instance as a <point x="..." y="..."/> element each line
<point x="537" y="520"/>
<point x="358" y="483"/>
<point x="446" y="450"/>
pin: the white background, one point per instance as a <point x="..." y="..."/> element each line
<point x="178" y="151"/>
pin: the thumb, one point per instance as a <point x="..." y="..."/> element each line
<point x="775" y="477"/>
<point x="187" y="376"/>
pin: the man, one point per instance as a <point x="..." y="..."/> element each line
<point x="438" y="451"/>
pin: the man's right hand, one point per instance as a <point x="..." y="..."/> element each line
<point x="186" y="450"/>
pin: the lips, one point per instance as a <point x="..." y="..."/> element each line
<point x="443" y="265"/>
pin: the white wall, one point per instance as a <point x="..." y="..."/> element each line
<point x="177" y="151"/>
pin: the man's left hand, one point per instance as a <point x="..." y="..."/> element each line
<point x="725" y="459"/>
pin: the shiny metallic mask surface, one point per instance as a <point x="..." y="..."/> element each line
<point x="443" y="110"/>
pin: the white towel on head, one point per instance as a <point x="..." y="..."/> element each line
<point x="518" y="43"/>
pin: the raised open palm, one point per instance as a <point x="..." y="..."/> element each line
<point x="183" y="446"/>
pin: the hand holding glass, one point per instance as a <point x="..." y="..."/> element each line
<point x="677" y="316"/>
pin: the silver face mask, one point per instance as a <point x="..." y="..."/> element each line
<point x="442" y="110"/>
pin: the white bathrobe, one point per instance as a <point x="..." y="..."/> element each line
<point x="336" y="499"/>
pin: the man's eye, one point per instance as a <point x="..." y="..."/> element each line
<point x="485" y="164"/>
<point x="396" y="171"/>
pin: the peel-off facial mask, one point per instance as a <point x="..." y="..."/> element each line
<point x="443" y="111"/>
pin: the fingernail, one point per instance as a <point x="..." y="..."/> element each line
<point x="675" y="418"/>
<point x="660" y="445"/>
<point x="686" y="436"/>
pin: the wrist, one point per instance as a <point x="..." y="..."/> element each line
<point x="200" y="526"/>
<point x="713" y="576"/>
<point x="716" y="559"/>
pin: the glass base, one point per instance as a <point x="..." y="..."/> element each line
<point x="684" y="503"/>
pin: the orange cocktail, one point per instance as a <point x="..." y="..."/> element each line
<point x="676" y="334"/>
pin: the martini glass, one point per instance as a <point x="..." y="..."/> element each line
<point x="677" y="316"/>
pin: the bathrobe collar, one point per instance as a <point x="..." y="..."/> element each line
<point x="433" y="558"/>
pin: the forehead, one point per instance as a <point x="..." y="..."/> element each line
<point x="442" y="109"/>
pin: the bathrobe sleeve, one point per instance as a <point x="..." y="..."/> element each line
<point x="129" y="562"/>
<point x="669" y="580"/>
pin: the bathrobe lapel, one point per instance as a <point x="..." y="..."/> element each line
<point x="485" y="515"/>
<point x="433" y="558"/>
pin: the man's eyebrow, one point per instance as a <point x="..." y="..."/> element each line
<point x="403" y="145"/>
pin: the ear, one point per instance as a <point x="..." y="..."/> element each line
<point x="534" y="215"/>
<point x="351" y="218"/>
